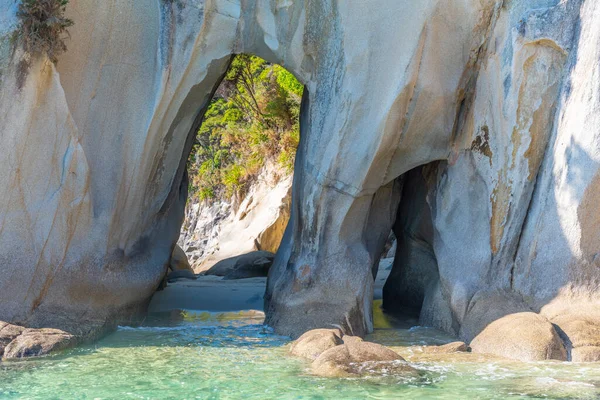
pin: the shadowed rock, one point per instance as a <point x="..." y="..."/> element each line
<point x="250" y="265"/>
<point x="582" y="336"/>
<point x="181" y="274"/>
<point x="8" y="332"/>
<point x="38" y="342"/>
<point x="179" y="260"/>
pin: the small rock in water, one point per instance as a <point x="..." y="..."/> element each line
<point x="38" y="342"/>
<point x="357" y="358"/>
<point x="8" y="333"/>
<point x="454" y="347"/>
<point x="313" y="343"/>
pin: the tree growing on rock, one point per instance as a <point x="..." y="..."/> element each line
<point x="252" y="119"/>
<point x="44" y="27"/>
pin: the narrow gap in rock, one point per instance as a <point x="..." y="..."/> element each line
<point x="410" y="261"/>
<point x="239" y="195"/>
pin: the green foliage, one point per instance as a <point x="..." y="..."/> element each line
<point x="43" y="27"/>
<point x="288" y="81"/>
<point x="252" y="119"/>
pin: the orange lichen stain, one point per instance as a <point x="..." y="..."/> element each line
<point x="542" y="74"/>
<point x="500" y="200"/>
<point x="304" y="271"/>
<point x="302" y="278"/>
<point x="539" y="131"/>
<point x="481" y="144"/>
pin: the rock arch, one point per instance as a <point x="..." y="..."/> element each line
<point x="95" y="147"/>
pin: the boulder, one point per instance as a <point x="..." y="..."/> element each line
<point x="270" y="238"/>
<point x="250" y="265"/>
<point x="8" y="333"/>
<point x="454" y="347"/>
<point x="313" y="343"/>
<point x="179" y="260"/>
<point x="38" y="342"/>
<point x="582" y="336"/>
<point x="181" y="274"/>
<point x="357" y="357"/>
<point x="525" y="336"/>
<point x="486" y="307"/>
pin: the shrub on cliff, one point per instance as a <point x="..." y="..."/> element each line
<point x="43" y="27"/>
<point x="252" y="119"/>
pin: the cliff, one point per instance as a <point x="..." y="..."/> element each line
<point x="216" y="230"/>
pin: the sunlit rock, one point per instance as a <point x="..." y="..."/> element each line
<point x="523" y="336"/>
<point x="499" y="99"/>
<point x="357" y="357"/>
<point x="313" y="343"/>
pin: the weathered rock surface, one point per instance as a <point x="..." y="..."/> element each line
<point x="486" y="307"/>
<point x="221" y="230"/>
<point x="523" y="336"/>
<point x="250" y="265"/>
<point x="38" y="342"/>
<point x="313" y="343"/>
<point x="415" y="270"/>
<point x="357" y="357"/>
<point x="8" y="333"/>
<point x="502" y="94"/>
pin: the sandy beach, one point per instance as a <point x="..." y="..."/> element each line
<point x="212" y="293"/>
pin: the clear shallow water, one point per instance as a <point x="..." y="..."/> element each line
<point x="231" y="356"/>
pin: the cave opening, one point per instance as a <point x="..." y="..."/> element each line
<point x="239" y="176"/>
<point x="408" y="272"/>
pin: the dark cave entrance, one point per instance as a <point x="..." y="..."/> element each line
<point x="409" y="258"/>
<point x="239" y="177"/>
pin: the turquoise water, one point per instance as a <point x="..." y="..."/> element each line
<point x="232" y="356"/>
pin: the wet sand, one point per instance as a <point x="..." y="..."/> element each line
<point x="213" y="294"/>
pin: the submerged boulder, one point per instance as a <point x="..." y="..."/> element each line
<point x="313" y="343"/>
<point x="525" y="336"/>
<point x="38" y="342"/>
<point x="357" y="357"/>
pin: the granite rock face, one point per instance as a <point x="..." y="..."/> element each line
<point x="501" y="95"/>
<point x="216" y="231"/>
